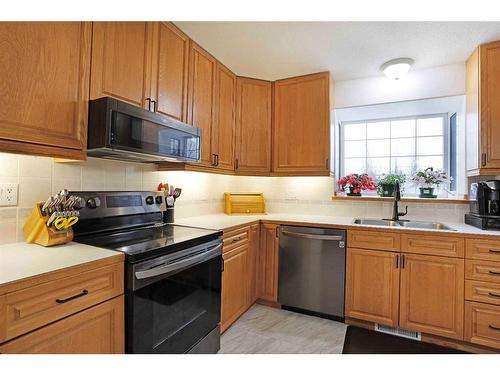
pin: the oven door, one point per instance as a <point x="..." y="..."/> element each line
<point x="173" y="302"/>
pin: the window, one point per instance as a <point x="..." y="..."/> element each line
<point x="397" y="145"/>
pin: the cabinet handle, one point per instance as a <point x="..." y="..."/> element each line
<point x="403" y="261"/>
<point x="483" y="159"/>
<point x="277" y="232"/>
<point x="397" y="261"/>
<point x="83" y="293"/>
<point x="494" y="251"/>
<point x="236" y="164"/>
<point x="216" y="160"/>
<point x="494" y="273"/>
<point x="149" y="103"/>
<point x="154" y="105"/>
<point x="493" y="327"/>
<point x="237" y="239"/>
<point x="327" y="163"/>
<point x="494" y="295"/>
<point x="222" y="264"/>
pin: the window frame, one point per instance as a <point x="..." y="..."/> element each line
<point x="446" y="137"/>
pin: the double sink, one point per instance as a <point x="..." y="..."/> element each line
<point x="404" y="224"/>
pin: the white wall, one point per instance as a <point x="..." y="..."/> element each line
<point x="445" y="80"/>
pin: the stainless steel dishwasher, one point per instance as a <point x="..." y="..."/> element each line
<point x="312" y="270"/>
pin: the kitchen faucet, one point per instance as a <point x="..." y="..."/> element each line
<point x="397" y="197"/>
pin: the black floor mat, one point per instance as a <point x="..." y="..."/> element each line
<point x="363" y="341"/>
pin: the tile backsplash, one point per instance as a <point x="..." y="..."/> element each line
<point x="202" y="193"/>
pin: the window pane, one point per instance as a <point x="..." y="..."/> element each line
<point x="402" y="128"/>
<point x="379" y="147"/>
<point x="430" y="146"/>
<point x="377" y="130"/>
<point x="354" y="166"/>
<point x="430" y="126"/>
<point x="403" y="147"/>
<point x="354" y="131"/>
<point x="354" y="149"/>
<point x="430" y="161"/>
<point x="378" y="166"/>
<point x="406" y="165"/>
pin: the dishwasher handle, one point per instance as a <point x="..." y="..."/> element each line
<point x="322" y="237"/>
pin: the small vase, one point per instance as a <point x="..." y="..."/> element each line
<point x="427" y="192"/>
<point x="352" y="194"/>
<point x="387" y="190"/>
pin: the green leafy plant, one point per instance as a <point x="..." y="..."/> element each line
<point x="385" y="184"/>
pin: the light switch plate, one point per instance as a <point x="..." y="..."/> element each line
<point x="8" y="194"/>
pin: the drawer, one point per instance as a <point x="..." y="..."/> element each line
<point x="482" y="324"/>
<point x="235" y="238"/>
<point x="482" y="249"/>
<point x="482" y="270"/>
<point x="28" y="309"/>
<point x="377" y="240"/>
<point x="482" y="291"/>
<point x="433" y="245"/>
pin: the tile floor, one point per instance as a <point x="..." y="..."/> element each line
<point x="265" y="330"/>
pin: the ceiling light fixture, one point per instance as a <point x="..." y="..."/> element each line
<point x="397" y="68"/>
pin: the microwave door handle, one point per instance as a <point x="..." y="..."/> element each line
<point x="213" y="252"/>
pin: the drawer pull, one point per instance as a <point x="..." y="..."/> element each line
<point x="494" y="251"/>
<point x="494" y="295"/>
<point x="495" y="328"/>
<point x="494" y="273"/>
<point x="236" y="239"/>
<point x="83" y="293"/>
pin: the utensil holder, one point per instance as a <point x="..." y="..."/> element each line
<point x="35" y="230"/>
<point x="168" y="215"/>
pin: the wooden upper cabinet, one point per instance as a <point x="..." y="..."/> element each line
<point x="223" y="127"/>
<point x="121" y="61"/>
<point x="432" y="295"/>
<point x="301" y="129"/>
<point x="372" y="286"/>
<point x="253" y="126"/>
<point x="44" y="88"/>
<point x="482" y="110"/>
<point x="170" y="70"/>
<point x="201" y="98"/>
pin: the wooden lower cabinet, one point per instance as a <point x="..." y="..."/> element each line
<point x="268" y="263"/>
<point x="432" y="295"/>
<point x="372" y="286"/>
<point x="234" y="300"/>
<point x="253" y="262"/>
<point x="97" y="330"/>
<point x="482" y="324"/>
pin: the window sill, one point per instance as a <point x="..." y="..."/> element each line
<point x="373" y="198"/>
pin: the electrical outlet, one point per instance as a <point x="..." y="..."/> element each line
<point x="8" y="194"/>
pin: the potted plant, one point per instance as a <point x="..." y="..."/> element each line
<point x="428" y="179"/>
<point x="356" y="183"/>
<point x="386" y="183"/>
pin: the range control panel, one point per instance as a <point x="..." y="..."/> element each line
<point x="118" y="203"/>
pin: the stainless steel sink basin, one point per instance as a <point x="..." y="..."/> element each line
<point x="405" y="224"/>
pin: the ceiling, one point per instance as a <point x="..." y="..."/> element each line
<point x="349" y="50"/>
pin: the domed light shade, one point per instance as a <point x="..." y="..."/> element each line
<point x="397" y="68"/>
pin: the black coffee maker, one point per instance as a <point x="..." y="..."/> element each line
<point x="485" y="205"/>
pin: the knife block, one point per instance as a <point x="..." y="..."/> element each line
<point x="35" y="230"/>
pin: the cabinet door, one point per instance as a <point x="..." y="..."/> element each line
<point x="44" y="78"/>
<point x="170" y="70"/>
<point x="121" y="61"/>
<point x="201" y="97"/>
<point x="432" y="295"/>
<point x="223" y="129"/>
<point x="253" y="261"/>
<point x="372" y="286"/>
<point x="490" y="111"/>
<point x="268" y="263"/>
<point x="234" y="286"/>
<point x="301" y="133"/>
<point x="253" y="126"/>
<point x="98" y="330"/>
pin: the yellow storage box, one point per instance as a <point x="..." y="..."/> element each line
<point x="244" y="203"/>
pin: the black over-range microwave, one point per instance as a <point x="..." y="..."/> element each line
<point x="121" y="131"/>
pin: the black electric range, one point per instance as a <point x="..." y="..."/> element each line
<point x="172" y="272"/>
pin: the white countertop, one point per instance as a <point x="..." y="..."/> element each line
<point x="223" y="222"/>
<point x="22" y="260"/>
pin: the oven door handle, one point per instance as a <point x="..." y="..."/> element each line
<point x="196" y="259"/>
